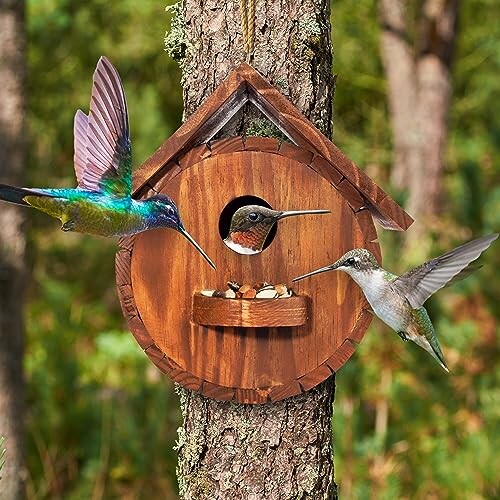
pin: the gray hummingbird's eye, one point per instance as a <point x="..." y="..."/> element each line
<point x="253" y="216"/>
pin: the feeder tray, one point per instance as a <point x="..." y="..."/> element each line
<point x="216" y="311"/>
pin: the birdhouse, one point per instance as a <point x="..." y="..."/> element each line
<point x="251" y="350"/>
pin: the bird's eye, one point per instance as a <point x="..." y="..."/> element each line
<point x="170" y="211"/>
<point x="350" y="262"/>
<point x="253" y="216"/>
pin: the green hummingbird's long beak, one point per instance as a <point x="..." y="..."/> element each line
<point x="331" y="267"/>
<point x="291" y="213"/>
<point x="193" y="242"/>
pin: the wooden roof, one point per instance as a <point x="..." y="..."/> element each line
<point x="244" y="85"/>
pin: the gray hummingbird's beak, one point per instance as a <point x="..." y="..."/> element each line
<point x="331" y="267"/>
<point x="193" y="242"/>
<point x="291" y="213"/>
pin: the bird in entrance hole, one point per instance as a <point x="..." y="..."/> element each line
<point x="251" y="224"/>
<point x="102" y="204"/>
<point x="398" y="300"/>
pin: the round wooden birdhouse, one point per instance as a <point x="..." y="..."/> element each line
<point x="251" y="350"/>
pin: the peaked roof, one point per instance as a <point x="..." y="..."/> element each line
<point x="244" y="85"/>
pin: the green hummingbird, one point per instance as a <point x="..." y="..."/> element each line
<point x="251" y="224"/>
<point x="102" y="204"/>
<point x="398" y="300"/>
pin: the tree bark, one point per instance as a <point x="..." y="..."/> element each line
<point x="418" y="70"/>
<point x="12" y="243"/>
<point x="281" y="450"/>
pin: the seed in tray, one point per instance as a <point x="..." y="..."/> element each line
<point x="233" y="285"/>
<point x="208" y="293"/>
<point x="266" y="287"/>
<point x="250" y="294"/>
<point x="281" y="289"/>
<point x="219" y="293"/>
<point x="261" y="285"/>
<point x="270" y="293"/>
<point x="244" y="288"/>
<point x="230" y="294"/>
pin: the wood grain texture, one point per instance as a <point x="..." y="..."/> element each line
<point x="212" y="311"/>
<point x="244" y="85"/>
<point x="158" y="272"/>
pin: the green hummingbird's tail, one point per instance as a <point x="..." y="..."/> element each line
<point x="422" y="333"/>
<point x="16" y="195"/>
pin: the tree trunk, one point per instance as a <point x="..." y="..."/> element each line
<point x="419" y="83"/>
<point x="281" y="450"/>
<point x="12" y="241"/>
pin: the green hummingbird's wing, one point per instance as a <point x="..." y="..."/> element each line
<point x="418" y="284"/>
<point x="103" y="152"/>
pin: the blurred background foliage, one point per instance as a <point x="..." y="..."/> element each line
<point x="102" y="420"/>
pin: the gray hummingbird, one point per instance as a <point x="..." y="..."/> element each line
<point x="398" y="300"/>
<point x="251" y="224"/>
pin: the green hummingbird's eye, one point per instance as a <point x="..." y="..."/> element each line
<point x="253" y="216"/>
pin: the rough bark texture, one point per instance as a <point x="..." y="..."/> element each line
<point x="282" y="450"/>
<point x="419" y="81"/>
<point x="11" y="247"/>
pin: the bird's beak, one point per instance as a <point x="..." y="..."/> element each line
<point x="291" y="213"/>
<point x="193" y="242"/>
<point x="331" y="267"/>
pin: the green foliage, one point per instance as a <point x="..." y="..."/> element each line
<point x="402" y="427"/>
<point x="102" y="420"/>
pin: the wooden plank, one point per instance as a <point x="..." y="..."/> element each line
<point x="127" y="300"/>
<point x="341" y="355"/>
<point x="126" y="243"/>
<point x="261" y="144"/>
<point x="359" y="329"/>
<point x="374" y="248"/>
<point x="217" y="391"/>
<point x="228" y="145"/>
<point x="123" y="260"/>
<point x="154" y="354"/>
<point x="251" y="396"/>
<point x="351" y="194"/>
<point x="284" y="391"/>
<point x="301" y="155"/>
<point x="315" y="377"/>
<point x="161" y="179"/>
<point x="193" y="156"/>
<point x="390" y="215"/>
<point x="326" y="169"/>
<point x="140" y="333"/>
<point x="365" y="220"/>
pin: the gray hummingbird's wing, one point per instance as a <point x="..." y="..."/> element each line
<point x="418" y="284"/>
<point x="103" y="152"/>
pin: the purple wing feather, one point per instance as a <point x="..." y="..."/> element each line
<point x="80" y="138"/>
<point x="103" y="154"/>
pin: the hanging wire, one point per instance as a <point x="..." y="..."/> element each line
<point x="247" y="12"/>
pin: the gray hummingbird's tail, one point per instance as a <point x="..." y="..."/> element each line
<point x="16" y="195"/>
<point x="422" y="333"/>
